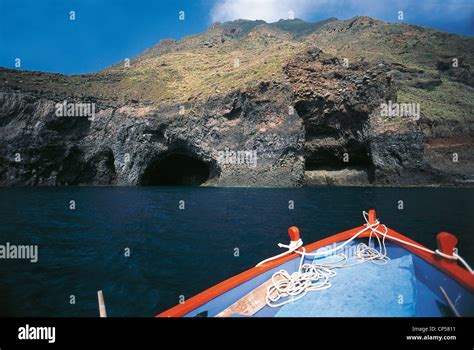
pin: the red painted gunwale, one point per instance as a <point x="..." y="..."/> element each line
<point x="455" y="271"/>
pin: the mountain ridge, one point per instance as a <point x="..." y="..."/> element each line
<point x="232" y="85"/>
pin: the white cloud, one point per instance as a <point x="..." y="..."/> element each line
<point x="268" y="10"/>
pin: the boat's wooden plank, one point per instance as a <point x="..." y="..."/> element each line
<point x="250" y="303"/>
<point x="102" y="310"/>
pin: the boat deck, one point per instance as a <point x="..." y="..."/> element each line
<point x="406" y="286"/>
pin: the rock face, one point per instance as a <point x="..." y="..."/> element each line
<point x="116" y="147"/>
<point x="337" y="104"/>
<point x="314" y="120"/>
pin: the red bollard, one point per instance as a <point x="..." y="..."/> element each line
<point x="446" y="244"/>
<point x="294" y="233"/>
<point x="372" y="217"/>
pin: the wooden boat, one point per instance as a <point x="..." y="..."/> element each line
<point x="388" y="275"/>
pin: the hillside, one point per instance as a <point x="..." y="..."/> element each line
<point x="231" y="87"/>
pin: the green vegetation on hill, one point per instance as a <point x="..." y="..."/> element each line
<point x="240" y="54"/>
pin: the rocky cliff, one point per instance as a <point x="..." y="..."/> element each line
<point x="251" y="104"/>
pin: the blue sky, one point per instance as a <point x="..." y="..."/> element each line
<point x="40" y="33"/>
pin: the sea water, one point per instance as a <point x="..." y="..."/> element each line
<point x="148" y="248"/>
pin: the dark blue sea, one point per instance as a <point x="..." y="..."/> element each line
<point x="176" y="252"/>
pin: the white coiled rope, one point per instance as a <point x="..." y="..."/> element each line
<point x="313" y="277"/>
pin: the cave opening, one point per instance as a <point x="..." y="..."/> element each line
<point x="329" y="162"/>
<point x="176" y="169"/>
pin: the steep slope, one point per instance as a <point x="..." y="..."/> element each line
<point x="427" y="67"/>
<point x="305" y="97"/>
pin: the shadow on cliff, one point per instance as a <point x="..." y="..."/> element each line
<point x="176" y="169"/>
